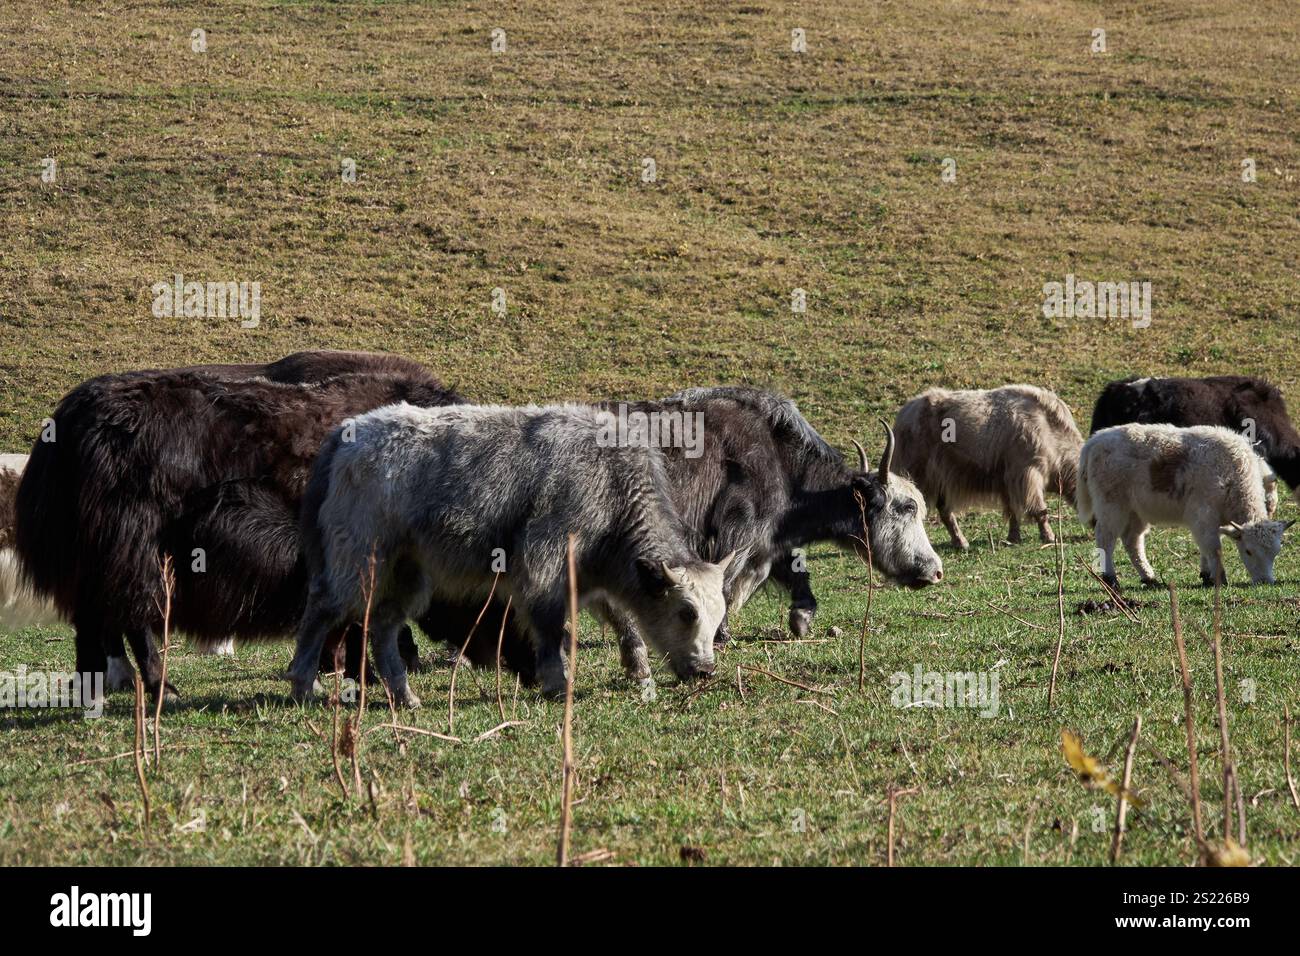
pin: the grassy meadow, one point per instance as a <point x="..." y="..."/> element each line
<point x="525" y="171"/>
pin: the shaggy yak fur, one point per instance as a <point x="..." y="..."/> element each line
<point x="169" y="461"/>
<point x="451" y="503"/>
<point x="1005" y="447"/>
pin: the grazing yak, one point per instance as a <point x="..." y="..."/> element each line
<point x="1233" y="401"/>
<point x="763" y="484"/>
<point x="447" y="502"/>
<point x="751" y="475"/>
<point x="1003" y="447"/>
<point x="207" y="464"/>
<point x="1205" y="478"/>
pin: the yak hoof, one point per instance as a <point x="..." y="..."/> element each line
<point x="801" y="619"/>
<point x="305" y="689"/>
<point x="406" y="698"/>
<point x="120" y="674"/>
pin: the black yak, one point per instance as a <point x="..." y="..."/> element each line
<point x="207" y="464"/>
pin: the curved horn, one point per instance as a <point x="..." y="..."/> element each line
<point x="675" y="577"/>
<point x="863" y="464"/>
<point x="888" y="457"/>
<point x="1237" y="526"/>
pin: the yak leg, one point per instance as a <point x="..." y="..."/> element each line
<point x="1211" y="557"/>
<point x="92" y="658"/>
<point x="803" y="603"/>
<point x="1135" y="544"/>
<point x="318" y="622"/>
<point x="388" y="656"/>
<point x="351" y="640"/>
<point x="950" y="522"/>
<point x="1036" y="504"/>
<point x="92" y="638"/>
<point x="631" y="648"/>
<point x="1013" y="525"/>
<point x="409" y="650"/>
<point x="1105" y="538"/>
<point x="548" y="633"/>
<point x="149" y="661"/>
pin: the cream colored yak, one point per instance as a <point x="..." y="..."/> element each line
<point x="1205" y="478"/>
<point x="1000" y="448"/>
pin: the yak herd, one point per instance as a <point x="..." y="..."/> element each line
<point x="331" y="488"/>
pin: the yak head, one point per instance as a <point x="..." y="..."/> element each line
<point x="1258" y="543"/>
<point x="894" y="509"/>
<point x="681" y="610"/>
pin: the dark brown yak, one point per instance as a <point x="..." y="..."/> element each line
<point x="211" y="457"/>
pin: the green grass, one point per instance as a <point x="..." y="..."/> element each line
<point x="776" y="171"/>
<point x="704" y="767"/>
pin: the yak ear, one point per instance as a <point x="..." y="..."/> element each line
<point x="1232" y="531"/>
<point x="872" y="491"/>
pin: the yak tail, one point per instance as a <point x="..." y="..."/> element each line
<point x="1083" y="495"/>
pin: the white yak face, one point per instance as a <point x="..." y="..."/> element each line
<point x="900" y="547"/>
<point x="685" y="615"/>
<point x="1258" y="543"/>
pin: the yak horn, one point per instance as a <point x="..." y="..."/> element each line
<point x="888" y="458"/>
<point x="674" y="576"/>
<point x="1237" y="526"/>
<point x="863" y="464"/>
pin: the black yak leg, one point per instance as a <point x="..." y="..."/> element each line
<point x="549" y="636"/>
<point x="318" y="622"/>
<point x="91" y="656"/>
<point x="452" y="623"/>
<point x="803" y="603"/>
<point x="92" y="644"/>
<point x="149" y="660"/>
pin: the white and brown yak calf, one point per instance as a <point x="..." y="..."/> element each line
<point x="1205" y="478"/>
<point x="445" y="498"/>
<point x="1000" y="447"/>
